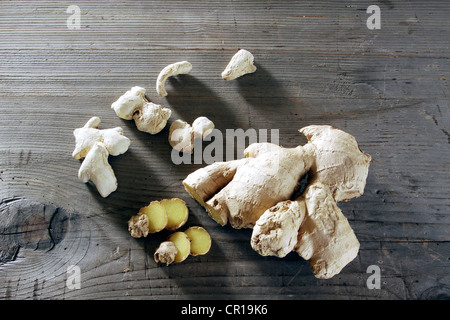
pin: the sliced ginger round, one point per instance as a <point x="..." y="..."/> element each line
<point x="183" y="244"/>
<point x="156" y="215"/>
<point x="177" y="212"/>
<point x="200" y="240"/>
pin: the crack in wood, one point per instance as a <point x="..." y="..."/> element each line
<point x="29" y="224"/>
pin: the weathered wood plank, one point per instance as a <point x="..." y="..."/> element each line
<point x="317" y="64"/>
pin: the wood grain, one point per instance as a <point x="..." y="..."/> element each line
<point x="317" y="64"/>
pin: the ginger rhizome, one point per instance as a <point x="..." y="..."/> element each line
<point x="148" y="117"/>
<point x="194" y="241"/>
<point x="182" y="135"/>
<point x="95" y="145"/>
<point x="168" y="214"/>
<point x="255" y="192"/>
<point x="174" y="69"/>
<point x="240" y="64"/>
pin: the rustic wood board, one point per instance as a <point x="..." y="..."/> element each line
<point x="318" y="63"/>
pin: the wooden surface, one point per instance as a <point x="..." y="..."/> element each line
<point x="317" y="63"/>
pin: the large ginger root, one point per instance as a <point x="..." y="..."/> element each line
<point x="95" y="146"/>
<point x="256" y="192"/>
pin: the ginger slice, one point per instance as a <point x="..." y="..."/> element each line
<point x="177" y="213"/>
<point x="200" y="240"/>
<point x="156" y="215"/>
<point x="183" y="245"/>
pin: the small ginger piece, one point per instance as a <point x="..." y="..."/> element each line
<point x="200" y="240"/>
<point x="240" y="64"/>
<point x="138" y="226"/>
<point x="96" y="168"/>
<point x="169" y="214"/>
<point x="202" y="127"/>
<point x="182" y="67"/>
<point x="166" y="253"/>
<point x="148" y="117"/>
<point x="182" y="135"/>
<point x="129" y="102"/>
<point x="177" y="213"/>
<point x="183" y="245"/>
<point x="194" y="241"/>
<point x="95" y="146"/>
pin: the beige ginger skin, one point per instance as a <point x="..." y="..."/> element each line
<point x="95" y="146"/>
<point x="174" y="69"/>
<point x="240" y="64"/>
<point x="255" y="192"/>
<point x="182" y="135"/>
<point x="149" y="117"/>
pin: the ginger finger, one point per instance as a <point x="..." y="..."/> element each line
<point x="325" y="238"/>
<point x="276" y="231"/>
<point x="182" y="67"/>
